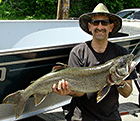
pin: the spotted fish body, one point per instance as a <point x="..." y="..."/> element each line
<point x="80" y="79"/>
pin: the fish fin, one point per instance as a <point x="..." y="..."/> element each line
<point x="19" y="108"/>
<point x="60" y="67"/>
<point x="103" y="92"/>
<point x="39" y="98"/>
<point x="12" y="98"/>
<point x="32" y="82"/>
<point x="16" y="98"/>
<point x="62" y="64"/>
<point x="57" y="68"/>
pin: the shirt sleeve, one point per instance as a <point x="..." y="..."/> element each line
<point x="74" y="60"/>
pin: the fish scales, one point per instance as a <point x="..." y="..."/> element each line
<point x="77" y="78"/>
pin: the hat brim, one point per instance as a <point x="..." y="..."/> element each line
<point x="86" y="18"/>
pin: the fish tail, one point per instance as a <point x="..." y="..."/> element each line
<point x="18" y="100"/>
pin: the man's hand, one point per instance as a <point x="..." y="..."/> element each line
<point x="63" y="88"/>
<point x="126" y="91"/>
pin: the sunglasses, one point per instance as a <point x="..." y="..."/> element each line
<point x="103" y="22"/>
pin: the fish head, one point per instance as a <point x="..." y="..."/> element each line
<point x="122" y="68"/>
<point x="125" y="65"/>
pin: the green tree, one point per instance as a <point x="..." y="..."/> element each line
<point x="79" y="7"/>
<point x="131" y="4"/>
<point x="47" y="9"/>
<point x="28" y="9"/>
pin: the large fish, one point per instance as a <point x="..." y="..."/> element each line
<point x="81" y="79"/>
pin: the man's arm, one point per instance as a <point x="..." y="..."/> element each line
<point x="63" y="89"/>
<point x="126" y="91"/>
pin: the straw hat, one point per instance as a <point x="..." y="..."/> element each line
<point x="100" y="9"/>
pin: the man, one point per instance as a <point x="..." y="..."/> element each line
<point x="84" y="107"/>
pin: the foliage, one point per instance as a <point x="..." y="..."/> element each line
<point x="79" y="7"/>
<point x="47" y="9"/>
<point x="28" y="9"/>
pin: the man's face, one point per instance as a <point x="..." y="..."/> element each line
<point x="100" y="27"/>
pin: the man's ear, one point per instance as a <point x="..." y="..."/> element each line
<point x="111" y="27"/>
<point x="89" y="26"/>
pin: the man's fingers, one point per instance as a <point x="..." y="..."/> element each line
<point x="67" y="86"/>
<point x="63" y="84"/>
<point x="54" y="88"/>
<point x="59" y="85"/>
<point x="62" y="88"/>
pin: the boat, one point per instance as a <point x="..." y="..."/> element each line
<point x="34" y="55"/>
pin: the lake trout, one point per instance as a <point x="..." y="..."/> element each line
<point x="81" y="79"/>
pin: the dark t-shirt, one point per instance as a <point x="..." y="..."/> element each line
<point x="86" y="107"/>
